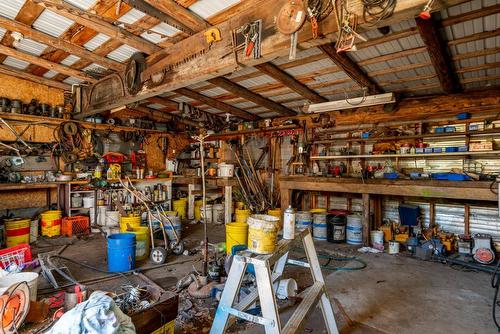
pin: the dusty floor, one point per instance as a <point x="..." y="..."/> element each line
<point x="393" y="294"/>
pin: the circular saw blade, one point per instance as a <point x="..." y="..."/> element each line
<point x="291" y="17"/>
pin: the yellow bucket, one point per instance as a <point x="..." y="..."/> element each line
<point x="17" y="231"/>
<point x="276" y="213"/>
<point x="141" y="242"/>
<point x="180" y="208"/>
<point x="236" y="234"/>
<point x="317" y="210"/>
<point x="131" y="221"/>
<point x="242" y="215"/>
<point x="262" y="233"/>
<point x="240" y="205"/>
<point x="51" y="223"/>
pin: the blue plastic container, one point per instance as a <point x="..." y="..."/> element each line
<point x="452" y="149"/>
<point x="391" y="176"/>
<point x="408" y="214"/>
<point x="121" y="252"/>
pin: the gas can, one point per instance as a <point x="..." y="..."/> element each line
<point x="289" y="223"/>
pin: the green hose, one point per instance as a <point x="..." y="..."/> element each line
<point x="330" y="258"/>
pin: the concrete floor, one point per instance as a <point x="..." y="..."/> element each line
<point x="393" y="294"/>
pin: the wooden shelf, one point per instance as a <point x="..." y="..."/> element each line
<point x="407" y="156"/>
<point x="57" y="121"/>
<point x="429" y="135"/>
<point x="230" y="134"/>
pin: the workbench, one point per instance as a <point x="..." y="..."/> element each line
<point x="454" y="190"/>
<point x="194" y="188"/>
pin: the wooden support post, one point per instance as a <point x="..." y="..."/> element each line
<point x="285" y="198"/>
<point x="228" y="202"/>
<point x="467" y="219"/>
<point x="432" y="214"/>
<point x="190" y="213"/>
<point x="366" y="219"/>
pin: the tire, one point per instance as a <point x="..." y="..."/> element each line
<point x="177" y="250"/>
<point x="158" y="255"/>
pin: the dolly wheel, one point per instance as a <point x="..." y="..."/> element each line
<point x="158" y="255"/>
<point x="177" y="250"/>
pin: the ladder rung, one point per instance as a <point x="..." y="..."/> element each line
<point x="304" y="308"/>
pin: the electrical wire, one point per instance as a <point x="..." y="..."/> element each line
<point x="375" y="11"/>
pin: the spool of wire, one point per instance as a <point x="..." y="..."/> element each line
<point x="375" y="11"/>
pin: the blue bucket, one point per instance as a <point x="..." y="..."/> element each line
<point x="121" y="252"/>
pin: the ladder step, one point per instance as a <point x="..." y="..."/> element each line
<point x="305" y="307"/>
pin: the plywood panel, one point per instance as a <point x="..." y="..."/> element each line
<point x="24" y="90"/>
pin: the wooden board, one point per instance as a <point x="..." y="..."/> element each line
<point x="24" y="90"/>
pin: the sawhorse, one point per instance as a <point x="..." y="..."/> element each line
<point x="267" y="283"/>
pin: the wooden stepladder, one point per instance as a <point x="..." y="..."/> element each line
<point x="267" y="283"/>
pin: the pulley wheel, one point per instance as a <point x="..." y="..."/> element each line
<point x="291" y="17"/>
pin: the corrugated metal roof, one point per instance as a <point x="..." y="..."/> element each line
<point x="52" y="23"/>
<point x="131" y="16"/>
<point x="16" y="63"/>
<point x="30" y="46"/>
<point x="122" y="53"/>
<point x="244" y="105"/>
<point x="159" y="32"/>
<point x="300" y="55"/>
<point x="260" y="80"/>
<point x="156" y="106"/>
<point x="269" y="114"/>
<point x="214" y="92"/>
<point x="82" y="4"/>
<point x="2" y="32"/>
<point x="207" y="8"/>
<point x="50" y="74"/>
<point x="96" y="41"/>
<point x="70" y="60"/>
<point x="72" y="81"/>
<point x="243" y="71"/>
<point x="94" y="68"/>
<point x="11" y="8"/>
<point x="315" y="66"/>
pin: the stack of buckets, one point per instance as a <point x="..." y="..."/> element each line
<point x="129" y="222"/>
<point x="276" y="213"/>
<point x="17" y="231"/>
<point x="132" y="225"/>
<point x="180" y="207"/>
<point x="121" y="252"/>
<point x="241" y="215"/>
<point x="51" y="223"/>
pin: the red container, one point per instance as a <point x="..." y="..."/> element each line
<point x="77" y="225"/>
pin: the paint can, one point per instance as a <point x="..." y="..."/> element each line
<point x="262" y="233"/>
<point x="393" y="247"/>
<point x="226" y="170"/>
<point x="289" y="224"/>
<point x="214" y="271"/>
<point x="207" y="214"/>
<point x="319" y="226"/>
<point x="88" y="202"/>
<point x="113" y="218"/>
<point x="17" y="231"/>
<point x="73" y="298"/>
<point x="236" y="234"/>
<point x="354" y="230"/>
<point x="377" y="239"/>
<point x="241" y="215"/>
<point x="303" y="220"/>
<point x="218" y="213"/>
<point x="336" y="226"/>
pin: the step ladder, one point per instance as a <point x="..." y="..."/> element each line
<point x="267" y="281"/>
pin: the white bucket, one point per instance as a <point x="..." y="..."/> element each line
<point x="33" y="230"/>
<point x="354" y="230"/>
<point x="377" y="238"/>
<point x="303" y="220"/>
<point x="319" y="226"/>
<point x="88" y="202"/>
<point x="286" y="288"/>
<point x="226" y="170"/>
<point x="28" y="277"/>
<point x="101" y="215"/>
<point x="393" y="247"/>
<point x="112" y="218"/>
<point x="208" y="215"/>
<point x="218" y="213"/>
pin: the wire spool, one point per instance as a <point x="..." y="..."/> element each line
<point x="375" y="11"/>
<point x="291" y="17"/>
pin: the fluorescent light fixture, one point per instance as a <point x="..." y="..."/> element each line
<point x="356" y="102"/>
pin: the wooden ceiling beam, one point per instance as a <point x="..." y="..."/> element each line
<point x="45" y="63"/>
<point x="34" y="78"/>
<point x="163" y="101"/>
<point x="246" y="94"/>
<point x="217" y="104"/>
<point x="351" y="68"/>
<point x="474" y="14"/>
<point x="440" y="59"/>
<point x="60" y="44"/>
<point x="286" y="79"/>
<point x="192" y="22"/>
<point x="97" y="23"/>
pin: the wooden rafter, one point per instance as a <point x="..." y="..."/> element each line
<point x="99" y="24"/>
<point x="240" y="91"/>
<point x="351" y="68"/>
<point x="192" y="21"/>
<point x="441" y="61"/>
<point x="34" y="78"/>
<point x="286" y="79"/>
<point x="60" y="44"/>
<point x="217" y="104"/>
<point x="45" y="63"/>
<point x="473" y="14"/>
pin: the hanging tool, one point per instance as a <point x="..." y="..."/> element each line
<point x="291" y="18"/>
<point x="212" y="35"/>
<point x="347" y="23"/>
<point x="317" y="11"/>
<point x="252" y="33"/>
<point x="425" y="14"/>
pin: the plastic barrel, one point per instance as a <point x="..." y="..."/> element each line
<point x="236" y="234"/>
<point x="303" y="220"/>
<point x="319" y="226"/>
<point x="121" y="252"/>
<point x="180" y="207"/>
<point x="354" y="230"/>
<point x="262" y="233"/>
<point x="17" y="232"/>
<point x="142" y="242"/>
<point x="131" y="221"/>
<point x="51" y="223"/>
<point x="177" y="226"/>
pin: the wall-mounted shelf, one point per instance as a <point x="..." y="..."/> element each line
<point x="407" y="156"/>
